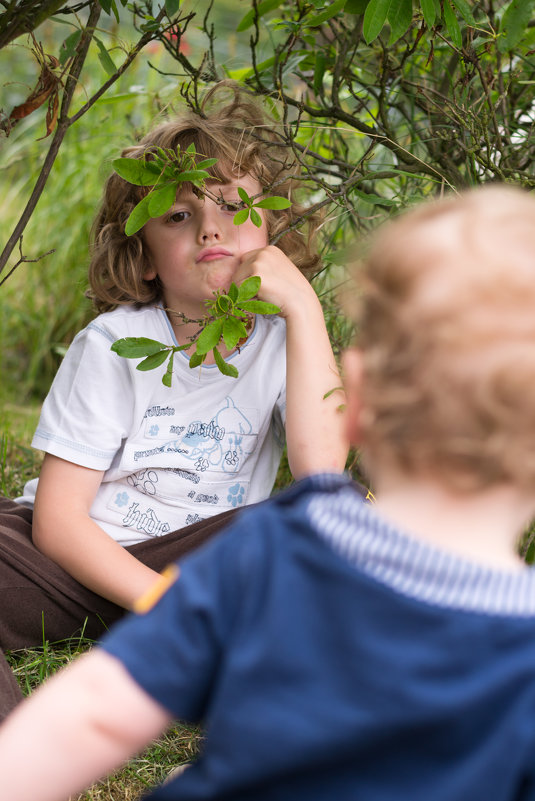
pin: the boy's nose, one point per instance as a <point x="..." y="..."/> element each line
<point x="209" y="227"/>
<point x="210" y="233"/>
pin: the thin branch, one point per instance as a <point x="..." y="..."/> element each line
<point x="61" y="130"/>
<point x="25" y="260"/>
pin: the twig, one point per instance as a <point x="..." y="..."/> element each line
<point x="25" y="260"/>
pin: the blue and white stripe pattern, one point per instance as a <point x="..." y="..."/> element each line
<point x="414" y="568"/>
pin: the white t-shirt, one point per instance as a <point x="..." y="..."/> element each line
<point x="171" y="456"/>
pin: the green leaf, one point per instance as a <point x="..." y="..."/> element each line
<point x="465" y="11"/>
<point x="244" y="197"/>
<point x="514" y="24"/>
<point x="256" y="219"/>
<point x="452" y="25"/>
<point x="356" y="6"/>
<point x="319" y="71"/>
<point x="153" y="361"/>
<point x="172" y="7"/>
<point x="374" y="18"/>
<point x="261" y="9"/>
<point x="241" y="216"/>
<point x="249" y="288"/>
<point x="205" y="163"/>
<point x="375" y="200"/>
<point x="259" y="307"/>
<point x="274" y="202"/>
<point x="233" y="331"/>
<point x="233" y="292"/>
<point x="224" y="303"/>
<point x="138" y="216"/>
<point x="115" y="11"/>
<point x="197" y="359"/>
<point x="429" y="12"/>
<point x="136" y="171"/>
<point x="399" y="19"/>
<point x="326" y="14"/>
<point x="136" y="347"/>
<point x="168" y="375"/>
<point x="209" y="337"/>
<point x="162" y="199"/>
<point x="108" y="6"/>
<point x="69" y="46"/>
<point x="224" y="367"/>
<point x="105" y="59"/>
<point x="195" y="176"/>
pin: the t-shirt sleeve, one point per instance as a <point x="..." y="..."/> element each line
<point x="86" y="414"/>
<point x="176" y="650"/>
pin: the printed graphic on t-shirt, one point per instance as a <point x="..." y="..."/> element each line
<point x="208" y="473"/>
<point x="220" y="443"/>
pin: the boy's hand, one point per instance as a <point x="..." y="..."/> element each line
<point x="281" y="281"/>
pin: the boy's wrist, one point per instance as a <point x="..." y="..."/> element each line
<point x="301" y="305"/>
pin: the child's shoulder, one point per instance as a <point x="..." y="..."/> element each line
<point x="129" y="321"/>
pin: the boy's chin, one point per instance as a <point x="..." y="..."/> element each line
<point x="220" y="277"/>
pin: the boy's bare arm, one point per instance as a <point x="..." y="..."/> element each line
<point x="315" y="430"/>
<point x="63" y="530"/>
<point x="79" y="726"/>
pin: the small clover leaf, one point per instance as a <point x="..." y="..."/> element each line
<point x="275" y="202"/>
<point x="241" y="216"/>
<point x="256" y="219"/>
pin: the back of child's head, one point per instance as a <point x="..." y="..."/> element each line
<point x="232" y="129"/>
<point x="447" y="328"/>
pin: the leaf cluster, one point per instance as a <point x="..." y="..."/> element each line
<point x="163" y="170"/>
<point x="229" y="316"/>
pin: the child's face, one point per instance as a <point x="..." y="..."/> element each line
<point x="195" y="248"/>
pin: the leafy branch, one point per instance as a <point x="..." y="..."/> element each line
<point x="228" y="322"/>
<point x="164" y="170"/>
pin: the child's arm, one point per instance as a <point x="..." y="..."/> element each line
<point x="81" y="725"/>
<point x="314" y="426"/>
<point x="63" y="530"/>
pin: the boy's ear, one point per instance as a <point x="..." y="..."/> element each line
<point x="352" y="378"/>
<point x="149" y="275"/>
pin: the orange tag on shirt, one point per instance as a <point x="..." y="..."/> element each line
<point x="151" y="596"/>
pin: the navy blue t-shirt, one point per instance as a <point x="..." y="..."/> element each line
<point x="330" y="657"/>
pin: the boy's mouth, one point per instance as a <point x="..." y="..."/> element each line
<point x="210" y="254"/>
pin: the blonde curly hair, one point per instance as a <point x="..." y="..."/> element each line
<point x="243" y="140"/>
<point x="447" y="331"/>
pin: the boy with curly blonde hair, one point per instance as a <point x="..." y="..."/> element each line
<point x="137" y="473"/>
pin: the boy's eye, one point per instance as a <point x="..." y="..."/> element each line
<point x="232" y="206"/>
<point x="178" y="216"/>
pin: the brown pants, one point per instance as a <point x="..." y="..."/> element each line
<point x="35" y="592"/>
